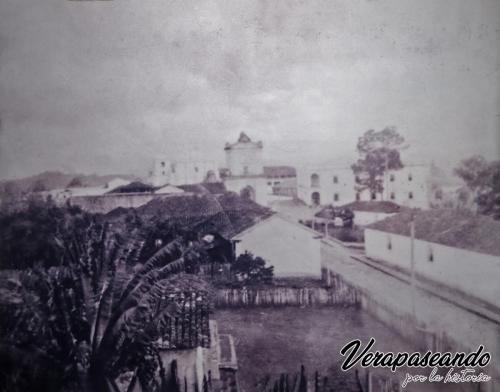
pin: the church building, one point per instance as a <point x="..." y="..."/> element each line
<point x="245" y="169"/>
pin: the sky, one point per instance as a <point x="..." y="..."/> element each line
<point x="105" y="86"/>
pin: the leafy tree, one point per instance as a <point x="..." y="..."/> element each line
<point x="27" y="236"/>
<point x="75" y="182"/>
<point x="483" y="180"/>
<point x="252" y="269"/>
<point x="93" y="319"/>
<point x="378" y="151"/>
<point x="39" y="186"/>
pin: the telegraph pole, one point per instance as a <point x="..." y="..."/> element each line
<point x="412" y="265"/>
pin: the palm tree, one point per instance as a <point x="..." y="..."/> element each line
<point x="94" y="318"/>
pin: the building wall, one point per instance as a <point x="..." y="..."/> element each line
<point x="398" y="184"/>
<point x="181" y="173"/>
<point x="414" y="179"/>
<point x="258" y="184"/>
<point x="473" y="273"/>
<point x="326" y="187"/>
<point x="108" y="202"/>
<point x="291" y="248"/>
<point x="363" y="218"/>
<point x="244" y="159"/>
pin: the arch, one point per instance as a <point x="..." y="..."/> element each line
<point x="315" y="198"/>
<point x="314" y="180"/>
<point x="248" y="193"/>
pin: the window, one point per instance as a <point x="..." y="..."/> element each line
<point x="196" y="169"/>
<point x="393" y="196"/>
<point x="163" y="164"/>
<point x="335" y="180"/>
<point x="389" y="243"/>
<point x="430" y="255"/>
<point x="163" y="173"/>
<point x="358" y="196"/>
<point x="269" y="183"/>
<point x="410" y="177"/>
<point x="392" y="178"/>
<point x="314" y="180"/>
<point x="439" y="194"/>
<point x="374" y="196"/>
<point x="410" y="195"/>
<point x="245" y="170"/>
<point x="335" y="197"/>
<point x="172" y="168"/>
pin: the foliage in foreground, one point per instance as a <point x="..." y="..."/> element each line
<point x="92" y="319"/>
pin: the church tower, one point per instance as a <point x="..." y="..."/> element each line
<point x="244" y="158"/>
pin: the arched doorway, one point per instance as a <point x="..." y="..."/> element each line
<point x="248" y="193"/>
<point x="315" y="199"/>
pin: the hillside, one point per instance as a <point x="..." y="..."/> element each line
<point x="55" y="179"/>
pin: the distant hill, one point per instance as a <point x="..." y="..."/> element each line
<point x="54" y="179"/>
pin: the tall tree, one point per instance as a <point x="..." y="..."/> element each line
<point x="483" y="179"/>
<point x="378" y="151"/>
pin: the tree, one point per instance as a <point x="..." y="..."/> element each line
<point x="39" y="186"/>
<point x="75" y="182"/>
<point x="483" y="180"/>
<point x="251" y="269"/>
<point x="378" y="151"/>
<point x="93" y="319"/>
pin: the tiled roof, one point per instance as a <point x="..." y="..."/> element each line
<point x="452" y="227"/>
<point x="279" y="171"/>
<point x="387" y="207"/>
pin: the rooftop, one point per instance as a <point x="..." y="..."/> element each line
<point x="243" y="141"/>
<point x="279" y="171"/>
<point x="387" y="207"/>
<point x="451" y="227"/>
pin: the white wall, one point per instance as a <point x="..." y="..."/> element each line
<point x="181" y="173"/>
<point x="473" y="273"/>
<point x="244" y="156"/>
<point x="327" y="188"/>
<point x="291" y="248"/>
<point x="400" y="186"/>
<point x="412" y="178"/>
<point x="259" y="184"/>
<point x="363" y="218"/>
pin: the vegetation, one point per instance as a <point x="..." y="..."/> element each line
<point x="378" y="151"/>
<point x="93" y="318"/>
<point x="28" y="235"/>
<point x="250" y="269"/>
<point x="483" y="180"/>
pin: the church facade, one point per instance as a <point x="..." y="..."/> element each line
<point x="245" y="169"/>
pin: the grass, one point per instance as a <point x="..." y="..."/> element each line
<point x="274" y="341"/>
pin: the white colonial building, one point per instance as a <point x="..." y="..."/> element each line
<point x="294" y="252"/>
<point x="455" y="248"/>
<point x="182" y="172"/>
<point x="245" y="169"/>
<point x="409" y="186"/>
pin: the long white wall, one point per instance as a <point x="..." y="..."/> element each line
<point x="473" y="273"/>
<point x="291" y="248"/>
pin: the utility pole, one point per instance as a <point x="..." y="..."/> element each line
<point x="412" y="265"/>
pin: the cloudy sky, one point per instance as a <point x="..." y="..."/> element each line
<point x="104" y="86"/>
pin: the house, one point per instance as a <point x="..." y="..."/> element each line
<point x="182" y="172"/>
<point x="367" y="212"/>
<point x="293" y="249"/>
<point x="409" y="186"/>
<point x="454" y="248"/>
